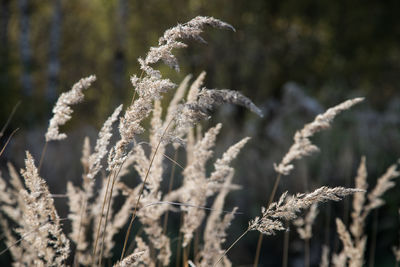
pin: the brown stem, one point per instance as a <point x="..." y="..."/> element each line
<point x="42" y="156"/>
<point x="307" y="252"/>
<point x="9" y="119"/>
<point x="258" y="250"/>
<point x="285" y="248"/>
<point x="231" y="246"/>
<point x="260" y="236"/>
<point x="186" y="251"/>
<point x="100" y="221"/>
<point x="196" y="242"/>
<point x="108" y="210"/>
<point x="178" y="249"/>
<point x="8" y="140"/>
<point x="141" y="191"/>
<point x="106" y="218"/>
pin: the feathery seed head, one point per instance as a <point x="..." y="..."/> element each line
<point x="287" y="207"/>
<point x="62" y="111"/>
<point x="302" y="146"/>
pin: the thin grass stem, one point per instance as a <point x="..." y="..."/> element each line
<point x="141" y="191"/>
<point x="307" y="252"/>
<point x="42" y="156"/>
<point x="171" y="183"/>
<point x="285" y="257"/>
<point x="9" y="119"/>
<point x="8" y="141"/>
<point x="231" y="246"/>
<point x="108" y="211"/>
<point x="260" y="236"/>
<point x="100" y="221"/>
<point x="186" y="252"/>
<point x="179" y="246"/>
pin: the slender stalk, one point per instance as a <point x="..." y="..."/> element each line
<point x="9" y="118"/>
<point x="108" y="211"/>
<point x="8" y="140"/>
<point x="100" y="221"/>
<point x="258" y="250"/>
<point x="307" y="252"/>
<point x="231" y="246"/>
<point x="196" y="242"/>
<point x="141" y="191"/>
<point x="129" y="250"/>
<point x="178" y="249"/>
<point x="106" y="219"/>
<point x="108" y="208"/>
<point x="373" y="240"/>
<point x="186" y="251"/>
<point x="42" y="156"/>
<point x="285" y="248"/>
<point x="260" y="236"/>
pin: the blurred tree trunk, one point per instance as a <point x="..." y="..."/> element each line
<point x="54" y="49"/>
<point x="120" y="50"/>
<point x="25" y="47"/>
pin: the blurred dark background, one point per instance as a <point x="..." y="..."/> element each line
<point x="293" y="58"/>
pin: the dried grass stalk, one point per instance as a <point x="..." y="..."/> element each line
<point x="40" y="216"/>
<point x="194" y="187"/>
<point x="287" y="208"/>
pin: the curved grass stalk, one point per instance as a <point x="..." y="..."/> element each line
<point x="231" y="246"/>
<point x="107" y="213"/>
<point x="9" y="118"/>
<point x="8" y="140"/>
<point x="100" y="221"/>
<point x="141" y="191"/>
<point x="260" y="236"/>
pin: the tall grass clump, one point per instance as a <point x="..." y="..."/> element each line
<point x="33" y="231"/>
